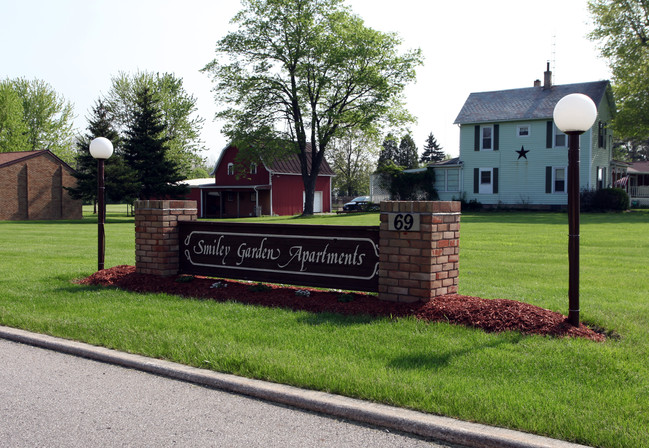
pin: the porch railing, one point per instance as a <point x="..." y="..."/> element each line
<point x="639" y="192"/>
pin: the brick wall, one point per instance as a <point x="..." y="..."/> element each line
<point x="33" y="189"/>
<point x="156" y="234"/>
<point x="413" y="266"/>
<point x="420" y="265"/>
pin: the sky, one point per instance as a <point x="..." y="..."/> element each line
<point x="78" y="46"/>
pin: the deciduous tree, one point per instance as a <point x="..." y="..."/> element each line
<point x="352" y="159"/>
<point x="622" y="30"/>
<point x="46" y="116"/>
<point x="305" y="71"/>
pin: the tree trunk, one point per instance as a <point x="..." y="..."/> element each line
<point x="309" y="193"/>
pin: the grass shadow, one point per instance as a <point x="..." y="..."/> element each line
<point x="436" y="361"/>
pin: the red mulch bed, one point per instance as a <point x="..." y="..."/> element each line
<point x="490" y="315"/>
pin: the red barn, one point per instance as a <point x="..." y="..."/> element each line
<point x="275" y="189"/>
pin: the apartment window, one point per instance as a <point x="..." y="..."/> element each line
<point x="559" y="180"/>
<point x="601" y="177"/>
<point x="447" y="179"/>
<point x="486" y="138"/>
<point x="560" y="139"/>
<point x="453" y="179"/>
<point x="230" y="169"/>
<point x="523" y="130"/>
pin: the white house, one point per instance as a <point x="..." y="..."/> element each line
<point x="511" y="153"/>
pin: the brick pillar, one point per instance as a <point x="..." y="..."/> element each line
<point x="156" y="234"/>
<point x="422" y="264"/>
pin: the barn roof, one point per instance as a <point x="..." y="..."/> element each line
<point x="287" y="165"/>
<point x="291" y="165"/>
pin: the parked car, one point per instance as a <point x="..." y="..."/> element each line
<point x="361" y="203"/>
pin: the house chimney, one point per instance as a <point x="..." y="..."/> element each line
<point x="547" y="78"/>
<point x="537" y="83"/>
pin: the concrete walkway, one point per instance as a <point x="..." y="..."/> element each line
<point x="45" y="394"/>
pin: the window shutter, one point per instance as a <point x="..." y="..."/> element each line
<point x="548" y="135"/>
<point x="496" y="139"/>
<point x="476" y="144"/>
<point x="476" y="180"/>
<point x="548" y="179"/>
<point x="494" y="180"/>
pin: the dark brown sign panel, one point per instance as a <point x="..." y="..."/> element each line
<point x="337" y="257"/>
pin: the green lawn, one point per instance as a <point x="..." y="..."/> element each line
<point x="591" y="393"/>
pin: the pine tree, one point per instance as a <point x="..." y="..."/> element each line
<point x="145" y="150"/>
<point x="388" y="152"/>
<point x="407" y="153"/>
<point x="118" y="178"/>
<point x="432" y="151"/>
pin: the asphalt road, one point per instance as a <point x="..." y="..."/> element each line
<point x="51" y="399"/>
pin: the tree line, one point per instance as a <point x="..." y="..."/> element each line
<point x="150" y="119"/>
<point x="294" y="75"/>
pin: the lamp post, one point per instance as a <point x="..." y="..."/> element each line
<point x="101" y="149"/>
<point x="574" y="114"/>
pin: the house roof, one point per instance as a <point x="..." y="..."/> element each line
<point x="532" y="103"/>
<point x="9" y="158"/>
<point x="639" y="168"/>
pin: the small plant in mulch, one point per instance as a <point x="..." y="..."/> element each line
<point x="259" y="287"/>
<point x="218" y="285"/>
<point x="184" y="279"/>
<point x="303" y="293"/>
<point x="346" y="298"/>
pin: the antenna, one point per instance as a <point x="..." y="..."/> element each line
<point x="553" y="52"/>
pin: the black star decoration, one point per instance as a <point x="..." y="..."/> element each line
<point x="522" y="153"/>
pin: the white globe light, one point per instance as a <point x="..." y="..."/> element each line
<point x="575" y="113"/>
<point x="101" y="148"/>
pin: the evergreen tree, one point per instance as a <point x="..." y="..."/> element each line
<point x="407" y="154"/>
<point x="145" y="150"/>
<point x="119" y="179"/>
<point x="388" y="152"/>
<point x="433" y="153"/>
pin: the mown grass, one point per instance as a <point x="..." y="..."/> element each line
<point x="591" y="393"/>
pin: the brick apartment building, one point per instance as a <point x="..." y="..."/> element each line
<point x="32" y="187"/>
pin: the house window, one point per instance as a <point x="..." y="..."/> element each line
<point x="560" y="139"/>
<point x="601" y="177"/>
<point x="253" y="197"/>
<point x="453" y="179"/>
<point x="253" y="168"/>
<point x="486" y="138"/>
<point x="523" y="130"/>
<point x="559" y="180"/>
<point x="230" y="196"/>
<point x="447" y="179"/>
<point x="230" y="169"/>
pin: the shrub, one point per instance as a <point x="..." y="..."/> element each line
<point x="606" y="199"/>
